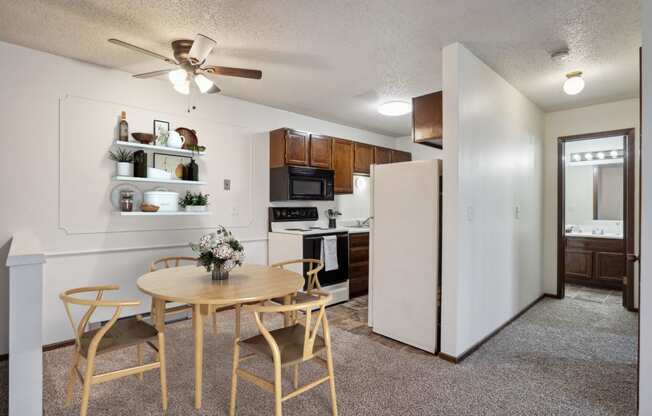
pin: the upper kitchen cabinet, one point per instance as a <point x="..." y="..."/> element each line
<point x="363" y="158"/>
<point x="382" y="155"/>
<point x="400" y="156"/>
<point x="320" y="151"/>
<point x="342" y="164"/>
<point x="288" y="147"/>
<point x="427" y="119"/>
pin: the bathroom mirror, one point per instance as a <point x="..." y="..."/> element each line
<point x="594" y="192"/>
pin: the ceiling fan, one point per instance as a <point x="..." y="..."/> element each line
<point x="189" y="59"/>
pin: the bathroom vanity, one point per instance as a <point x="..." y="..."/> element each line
<point x="595" y="260"/>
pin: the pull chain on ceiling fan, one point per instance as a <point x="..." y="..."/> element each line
<point x="189" y="58"/>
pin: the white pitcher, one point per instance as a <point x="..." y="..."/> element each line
<point x="175" y="140"/>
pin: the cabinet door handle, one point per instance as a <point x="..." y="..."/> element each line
<point x="632" y="257"/>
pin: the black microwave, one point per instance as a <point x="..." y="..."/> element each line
<point x="294" y="183"/>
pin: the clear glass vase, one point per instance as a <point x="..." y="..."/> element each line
<point x="219" y="272"/>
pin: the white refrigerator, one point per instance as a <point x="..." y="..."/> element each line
<point x="404" y="252"/>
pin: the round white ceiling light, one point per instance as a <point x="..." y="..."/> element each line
<point x="395" y="108"/>
<point x="574" y="83"/>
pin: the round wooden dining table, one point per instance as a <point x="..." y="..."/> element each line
<point x="193" y="285"/>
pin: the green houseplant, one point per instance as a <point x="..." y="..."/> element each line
<point x="194" y="202"/>
<point x="124" y="162"/>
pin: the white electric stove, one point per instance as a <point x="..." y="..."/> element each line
<point x="297" y="233"/>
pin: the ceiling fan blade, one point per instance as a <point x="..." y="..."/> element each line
<point x="202" y="46"/>
<point x="141" y="50"/>
<point x="233" y="72"/>
<point x="153" y="73"/>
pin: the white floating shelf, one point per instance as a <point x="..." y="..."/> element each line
<point x="163" y="149"/>
<point x="159" y="214"/>
<point x="151" y="180"/>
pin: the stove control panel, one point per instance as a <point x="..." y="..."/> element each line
<point x="277" y="214"/>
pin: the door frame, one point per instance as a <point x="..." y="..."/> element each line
<point x="629" y="183"/>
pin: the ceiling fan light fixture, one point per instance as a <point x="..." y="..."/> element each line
<point x="201" y="48"/>
<point x="178" y="76"/>
<point x="574" y="83"/>
<point x="204" y="84"/>
<point x="182" y="88"/>
<point x="395" y="108"/>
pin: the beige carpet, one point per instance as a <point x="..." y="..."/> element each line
<point x="561" y="358"/>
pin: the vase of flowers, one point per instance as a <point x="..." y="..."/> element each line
<point x="219" y="253"/>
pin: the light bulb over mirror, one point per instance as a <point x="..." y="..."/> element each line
<point x="577" y="157"/>
<point x="588" y="156"/>
<point x="601" y="155"/>
<point x="613" y="154"/>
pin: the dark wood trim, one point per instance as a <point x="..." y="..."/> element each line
<point x="627" y="166"/>
<point x="629" y="183"/>
<point x="58" y="345"/>
<point x="561" y="220"/>
<point x="4" y="357"/>
<point x="478" y="344"/>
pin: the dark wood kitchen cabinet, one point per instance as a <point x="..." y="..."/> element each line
<point x="320" y="151"/>
<point x="400" y="156"/>
<point x="363" y="158"/>
<point x="595" y="261"/>
<point x="288" y="147"/>
<point x="342" y="164"/>
<point x="428" y="120"/>
<point x="382" y="155"/>
<point x="358" y="264"/>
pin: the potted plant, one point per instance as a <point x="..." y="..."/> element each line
<point x="219" y="253"/>
<point x="194" y="202"/>
<point x="332" y="215"/>
<point x="123" y="159"/>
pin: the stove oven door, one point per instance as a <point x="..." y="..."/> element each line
<point x="312" y="250"/>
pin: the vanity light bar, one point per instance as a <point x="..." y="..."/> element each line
<point x="599" y="155"/>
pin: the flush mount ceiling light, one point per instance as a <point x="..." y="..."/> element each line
<point x="395" y="108"/>
<point x="574" y="83"/>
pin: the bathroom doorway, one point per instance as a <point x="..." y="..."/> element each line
<point x="596" y="213"/>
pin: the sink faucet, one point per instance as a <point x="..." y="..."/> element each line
<point x="365" y="223"/>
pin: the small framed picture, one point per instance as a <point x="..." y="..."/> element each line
<point x="176" y="165"/>
<point x="161" y="126"/>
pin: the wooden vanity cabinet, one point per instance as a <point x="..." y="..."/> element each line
<point x="597" y="262"/>
<point x="288" y="147"/>
<point x="400" y="156"/>
<point x="382" y="155"/>
<point x="358" y="264"/>
<point x="320" y="151"/>
<point x="363" y="158"/>
<point x="342" y="164"/>
<point x="428" y="119"/>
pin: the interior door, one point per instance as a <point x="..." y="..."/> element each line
<point x="630" y="221"/>
<point x="405" y="253"/>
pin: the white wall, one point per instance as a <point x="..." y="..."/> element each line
<point x="603" y="117"/>
<point x="645" y="340"/>
<point x="492" y="166"/>
<point x="31" y="87"/>
<point x="355" y="206"/>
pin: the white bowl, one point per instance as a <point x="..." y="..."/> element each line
<point x="154" y="173"/>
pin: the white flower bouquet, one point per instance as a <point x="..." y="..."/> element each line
<point x="219" y="252"/>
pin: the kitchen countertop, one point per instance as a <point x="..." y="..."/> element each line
<point x="357" y="230"/>
<point x="589" y="235"/>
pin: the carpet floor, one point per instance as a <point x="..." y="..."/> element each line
<point x="569" y="357"/>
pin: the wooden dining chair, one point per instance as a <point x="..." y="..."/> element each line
<point x="114" y="335"/>
<point x="167" y="262"/>
<point x="312" y="281"/>
<point x="284" y="347"/>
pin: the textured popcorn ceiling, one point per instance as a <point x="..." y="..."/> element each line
<point x="337" y="59"/>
